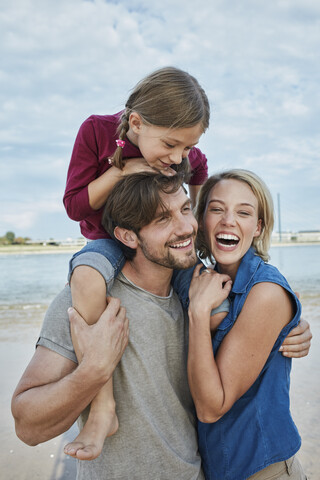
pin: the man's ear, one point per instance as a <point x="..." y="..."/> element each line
<point x="127" y="237"/>
<point x="135" y="122"/>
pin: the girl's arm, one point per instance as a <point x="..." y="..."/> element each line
<point x="87" y="189"/>
<point x="100" y="188"/>
<point x="193" y="193"/>
<point x="216" y="383"/>
<point x="199" y="168"/>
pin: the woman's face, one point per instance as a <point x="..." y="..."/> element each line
<point x="230" y="223"/>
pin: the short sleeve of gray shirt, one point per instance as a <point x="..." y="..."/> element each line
<point x="55" y="332"/>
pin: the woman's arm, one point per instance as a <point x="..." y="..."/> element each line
<point x="216" y="383"/>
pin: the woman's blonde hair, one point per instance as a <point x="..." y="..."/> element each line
<point x="261" y="243"/>
<point x="168" y="97"/>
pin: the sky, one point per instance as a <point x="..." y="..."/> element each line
<point x="61" y="61"/>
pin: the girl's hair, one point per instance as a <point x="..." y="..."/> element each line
<point x="168" y="97"/>
<point x="261" y="243"/>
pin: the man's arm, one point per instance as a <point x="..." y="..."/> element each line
<point x="53" y="390"/>
<point x="297" y="344"/>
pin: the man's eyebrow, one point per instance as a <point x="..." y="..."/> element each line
<point x="167" y="212"/>
<point x="187" y="202"/>
<point x="162" y="213"/>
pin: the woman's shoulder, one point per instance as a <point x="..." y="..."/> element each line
<point x="268" y="272"/>
<point x="271" y="285"/>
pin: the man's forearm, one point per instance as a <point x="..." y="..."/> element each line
<point x="45" y="411"/>
<point x="53" y="391"/>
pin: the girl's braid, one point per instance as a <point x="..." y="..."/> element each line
<point x="123" y="127"/>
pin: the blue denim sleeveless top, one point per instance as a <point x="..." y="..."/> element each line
<point x="258" y="430"/>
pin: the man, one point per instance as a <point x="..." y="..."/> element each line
<point x="157" y="434"/>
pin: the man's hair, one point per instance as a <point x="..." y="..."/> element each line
<point x="134" y="201"/>
<point x="261" y="243"/>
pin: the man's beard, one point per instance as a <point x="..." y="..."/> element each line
<point x="169" y="259"/>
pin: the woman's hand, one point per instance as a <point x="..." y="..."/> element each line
<point x="208" y="290"/>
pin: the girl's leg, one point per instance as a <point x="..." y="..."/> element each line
<point x="102" y="422"/>
<point x="88" y="289"/>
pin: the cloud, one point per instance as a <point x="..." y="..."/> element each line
<point x="64" y="60"/>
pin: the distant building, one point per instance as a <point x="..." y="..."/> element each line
<point x="304" y="236"/>
<point x="67" y="242"/>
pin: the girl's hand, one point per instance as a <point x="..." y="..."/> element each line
<point x="207" y="291"/>
<point x="136" y="165"/>
<point x="168" y="171"/>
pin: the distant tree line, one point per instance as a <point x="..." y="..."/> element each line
<point x="10" y="239"/>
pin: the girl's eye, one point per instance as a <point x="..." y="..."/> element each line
<point x="244" y="214"/>
<point x="169" y="146"/>
<point x="215" y="210"/>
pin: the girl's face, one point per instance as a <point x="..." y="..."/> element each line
<point x="230" y="223"/>
<point x="162" y="147"/>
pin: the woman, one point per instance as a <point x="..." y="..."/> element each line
<point x="239" y="380"/>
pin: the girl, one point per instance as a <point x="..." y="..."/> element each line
<point x="163" y="119"/>
<point x="238" y="379"/>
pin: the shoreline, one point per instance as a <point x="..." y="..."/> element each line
<point x="38" y="249"/>
<point x="48" y="249"/>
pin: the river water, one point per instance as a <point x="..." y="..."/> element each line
<point x="29" y="282"/>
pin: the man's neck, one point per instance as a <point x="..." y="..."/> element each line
<point x="150" y="276"/>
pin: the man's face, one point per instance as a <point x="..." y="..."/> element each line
<point x="169" y="239"/>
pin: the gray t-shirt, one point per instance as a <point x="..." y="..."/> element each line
<point x="157" y="434"/>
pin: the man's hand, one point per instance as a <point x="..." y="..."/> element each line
<point x="103" y="343"/>
<point x="297" y="343"/>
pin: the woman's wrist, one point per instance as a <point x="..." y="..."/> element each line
<point x="199" y="318"/>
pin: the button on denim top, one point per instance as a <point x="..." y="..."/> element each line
<point x="258" y="430"/>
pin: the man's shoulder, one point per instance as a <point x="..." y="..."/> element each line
<point x="62" y="300"/>
<point x="55" y="332"/>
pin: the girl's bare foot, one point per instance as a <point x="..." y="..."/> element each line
<point x="88" y="444"/>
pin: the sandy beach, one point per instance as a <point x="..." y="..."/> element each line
<point x="47" y="461"/>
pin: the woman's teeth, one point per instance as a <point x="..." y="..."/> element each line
<point x="227" y="239"/>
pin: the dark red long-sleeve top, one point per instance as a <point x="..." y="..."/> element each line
<point x="94" y="144"/>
